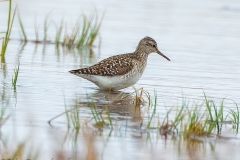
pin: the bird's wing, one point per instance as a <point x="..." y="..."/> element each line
<point x="115" y="65"/>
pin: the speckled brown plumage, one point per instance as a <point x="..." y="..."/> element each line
<point x="122" y="70"/>
<point x="115" y="65"/>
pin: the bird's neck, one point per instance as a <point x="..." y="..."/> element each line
<point x="140" y="54"/>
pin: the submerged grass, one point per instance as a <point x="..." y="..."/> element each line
<point x="15" y="77"/>
<point x="73" y="117"/>
<point x="180" y="115"/>
<point x="140" y="95"/>
<point x="22" y="29"/>
<point x="58" y="34"/>
<point x="90" y="30"/>
<point x="199" y="120"/>
<point x="84" y="32"/>
<point x="97" y="117"/>
<point x="21" y="152"/>
<point x="188" y="122"/>
<point x="36" y="32"/>
<point x="6" y="39"/>
<point x="4" y="103"/>
<point x="215" y="115"/>
<point x="235" y="118"/>
<point x="196" y="123"/>
<point x="46" y="27"/>
<point x="154" y="110"/>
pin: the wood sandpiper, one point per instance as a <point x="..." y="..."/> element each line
<point x="120" y="71"/>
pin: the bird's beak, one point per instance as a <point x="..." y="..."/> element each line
<point x="163" y="55"/>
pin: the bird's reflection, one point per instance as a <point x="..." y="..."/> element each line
<point x="121" y="105"/>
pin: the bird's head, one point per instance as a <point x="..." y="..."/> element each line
<point x="149" y="45"/>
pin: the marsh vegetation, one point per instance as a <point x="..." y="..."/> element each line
<point x="44" y="113"/>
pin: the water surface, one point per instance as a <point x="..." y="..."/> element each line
<point x="200" y="37"/>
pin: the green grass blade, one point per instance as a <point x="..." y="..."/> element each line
<point x="8" y="32"/>
<point x="46" y="26"/>
<point x="154" y="109"/>
<point x="208" y="107"/>
<point x="15" y="77"/>
<point x="22" y="28"/>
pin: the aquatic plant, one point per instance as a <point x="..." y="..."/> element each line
<point x="6" y="38"/>
<point x="97" y="117"/>
<point x="15" y="77"/>
<point x="36" y="32"/>
<point x="141" y="96"/>
<point x="84" y="32"/>
<point x="4" y="101"/>
<point x="75" y="118"/>
<point x="154" y="110"/>
<point x="46" y="27"/>
<point x="235" y="117"/>
<point x="20" y="152"/>
<point x="201" y="120"/>
<point x="90" y="31"/>
<point x="22" y="29"/>
<point x="58" y="35"/>
<point x="214" y="118"/>
<point x="72" y="116"/>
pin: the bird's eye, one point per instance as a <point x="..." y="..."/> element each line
<point x="154" y="46"/>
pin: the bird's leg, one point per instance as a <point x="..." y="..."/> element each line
<point x="109" y="91"/>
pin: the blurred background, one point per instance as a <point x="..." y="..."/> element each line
<point x="200" y="37"/>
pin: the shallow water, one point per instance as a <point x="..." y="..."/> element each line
<point x="200" y="37"/>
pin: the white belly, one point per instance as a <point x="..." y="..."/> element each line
<point x="113" y="82"/>
<point x="117" y="82"/>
